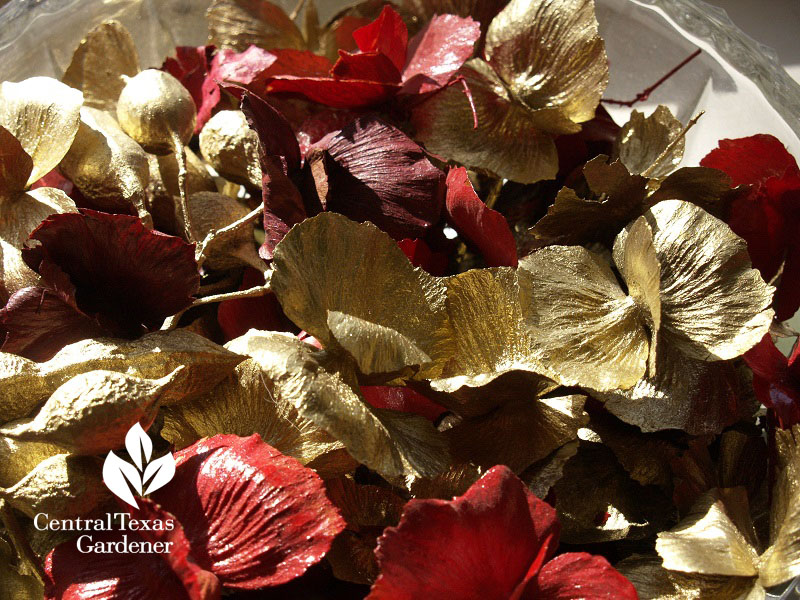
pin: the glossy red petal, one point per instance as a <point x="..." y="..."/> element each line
<point x="421" y="255"/>
<point x="196" y="68"/>
<point x="751" y="160"/>
<point x="374" y="172"/>
<point x="127" y="278"/>
<point x="369" y="66"/>
<point x="403" y="399"/>
<point x="38" y="322"/>
<point x="118" y="575"/>
<point x="244" y="68"/>
<point x="386" y="35"/>
<point x="766" y="360"/>
<point x="254" y="517"/>
<point x="479" y="545"/>
<point x="578" y="576"/>
<point x="336" y="93"/>
<point x="438" y="51"/>
<point x="236" y="317"/>
<point x="481" y="226"/>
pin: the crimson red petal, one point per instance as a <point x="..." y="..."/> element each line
<point x="483" y="227"/>
<point x="336" y="93"/>
<point x="403" y="399"/>
<point x="421" y="255"/>
<point x="578" y="576"/>
<point x="236" y="317"/>
<point x="766" y="360"/>
<point x="74" y="575"/>
<point x="479" y="545"/>
<point x="386" y="35"/>
<point x="374" y="172"/>
<point x="196" y="67"/>
<point x="254" y="517"/>
<point x="275" y="136"/>
<point x="126" y="277"/>
<point x="371" y="66"/>
<point x="438" y="51"/>
<point x="751" y="160"/>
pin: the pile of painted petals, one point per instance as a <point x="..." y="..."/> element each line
<point x="416" y="317"/>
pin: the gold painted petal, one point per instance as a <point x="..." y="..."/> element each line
<point x="597" y="501"/>
<point x="453" y="482"/>
<point x="24" y="384"/>
<point x="653" y="582"/>
<point x="585" y="329"/>
<point x="549" y="54"/>
<point x="19" y="216"/>
<point x="106" y="54"/>
<point x="245" y="403"/>
<point x="394" y="444"/>
<point x="18" y="458"/>
<point x="15" y="165"/>
<point x="106" y="165"/>
<point x="507" y="141"/>
<point x="92" y="412"/>
<point x="710" y="189"/>
<point x="330" y="263"/>
<point x="43" y="114"/>
<point x="636" y="259"/>
<point x="696" y="396"/>
<point x="230" y="146"/>
<point x="642" y="141"/>
<point x="376" y="349"/>
<point x="707" y="542"/>
<point x="519" y="433"/>
<point x="713" y="304"/>
<point x="62" y="487"/>
<point x="542" y="475"/>
<point x="13" y="585"/>
<point x="237" y="24"/>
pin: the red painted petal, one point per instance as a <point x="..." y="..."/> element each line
<point x="74" y="575"/>
<point x="751" y="160"/>
<point x="403" y="399"/>
<point x="483" y="227"/>
<point x="254" y="517"/>
<point x="195" y="67"/>
<point x="479" y="545"/>
<point x="275" y="135"/>
<point x="386" y="35"/>
<point x="126" y="277"/>
<point x="579" y="576"/>
<point x="376" y="173"/>
<point x="237" y="317"/>
<point x="244" y="68"/>
<point x="421" y="255"/>
<point x="776" y="381"/>
<point x="438" y="51"/>
<point x="319" y="124"/>
<point x="337" y="93"/>
<point x="371" y="66"/>
<point x="39" y="322"/>
<point x="766" y="360"/>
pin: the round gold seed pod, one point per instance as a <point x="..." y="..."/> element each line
<point x="231" y="148"/>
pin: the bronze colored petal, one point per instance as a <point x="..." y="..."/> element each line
<point x="62" y="487"/>
<point x="230" y="146"/>
<point x="696" y="396"/>
<point x="330" y="263"/>
<point x="15" y="165"/>
<point x="24" y="384"/>
<point x="18" y="458"/>
<point x="653" y="582"/>
<point x="92" y="412"/>
<point x="13" y="585"/>
<point x="364" y="505"/>
<point x="245" y="403"/>
<point x="586" y="330"/>
<point x="519" y="433"/>
<point x="542" y="475"/>
<point x="352" y="557"/>
<point x="19" y="216"/>
<point x="453" y="482"/>
<point x="394" y="444"/>
<point x="507" y="141"/>
<point x="43" y="114"/>
<point x="707" y="542"/>
<point x="635" y="257"/>
<point x="99" y="62"/>
<point x="376" y="349"/>
<point x="551" y="57"/>
<point x="714" y="305"/>
<point x="598" y="502"/>
<point x="710" y="189"/>
<point x="642" y="142"/>
<point x="106" y="165"/>
<point x="237" y="24"/>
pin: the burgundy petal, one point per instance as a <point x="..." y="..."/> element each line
<point x="197" y="68"/>
<point x="775" y="381"/>
<point x="403" y="399"/>
<point x="253" y="516"/>
<point x="386" y="35"/>
<point x="374" y="172"/>
<point x="126" y="277"/>
<point x="438" y="51"/>
<point x="39" y="322"/>
<point x="74" y="575"/>
<point x="751" y="160"/>
<point x="236" y="317"/>
<point x="578" y="576"/>
<point x="275" y="135"/>
<point x="477" y="223"/>
<point x="479" y="545"/>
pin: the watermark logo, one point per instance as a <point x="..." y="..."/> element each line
<point x="144" y="476"/>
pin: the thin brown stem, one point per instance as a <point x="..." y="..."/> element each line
<point x="20" y="542"/>
<point x="645" y="94"/>
<point x="494" y="193"/>
<point x="180" y="158"/>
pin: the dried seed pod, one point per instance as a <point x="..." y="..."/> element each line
<point x="62" y="486"/>
<point x="18" y="458"/>
<point x="230" y="146"/>
<point x="210" y="212"/>
<point x="92" y="412"/>
<point x="108" y="166"/>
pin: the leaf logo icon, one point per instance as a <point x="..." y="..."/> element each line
<point x="121" y="476"/>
